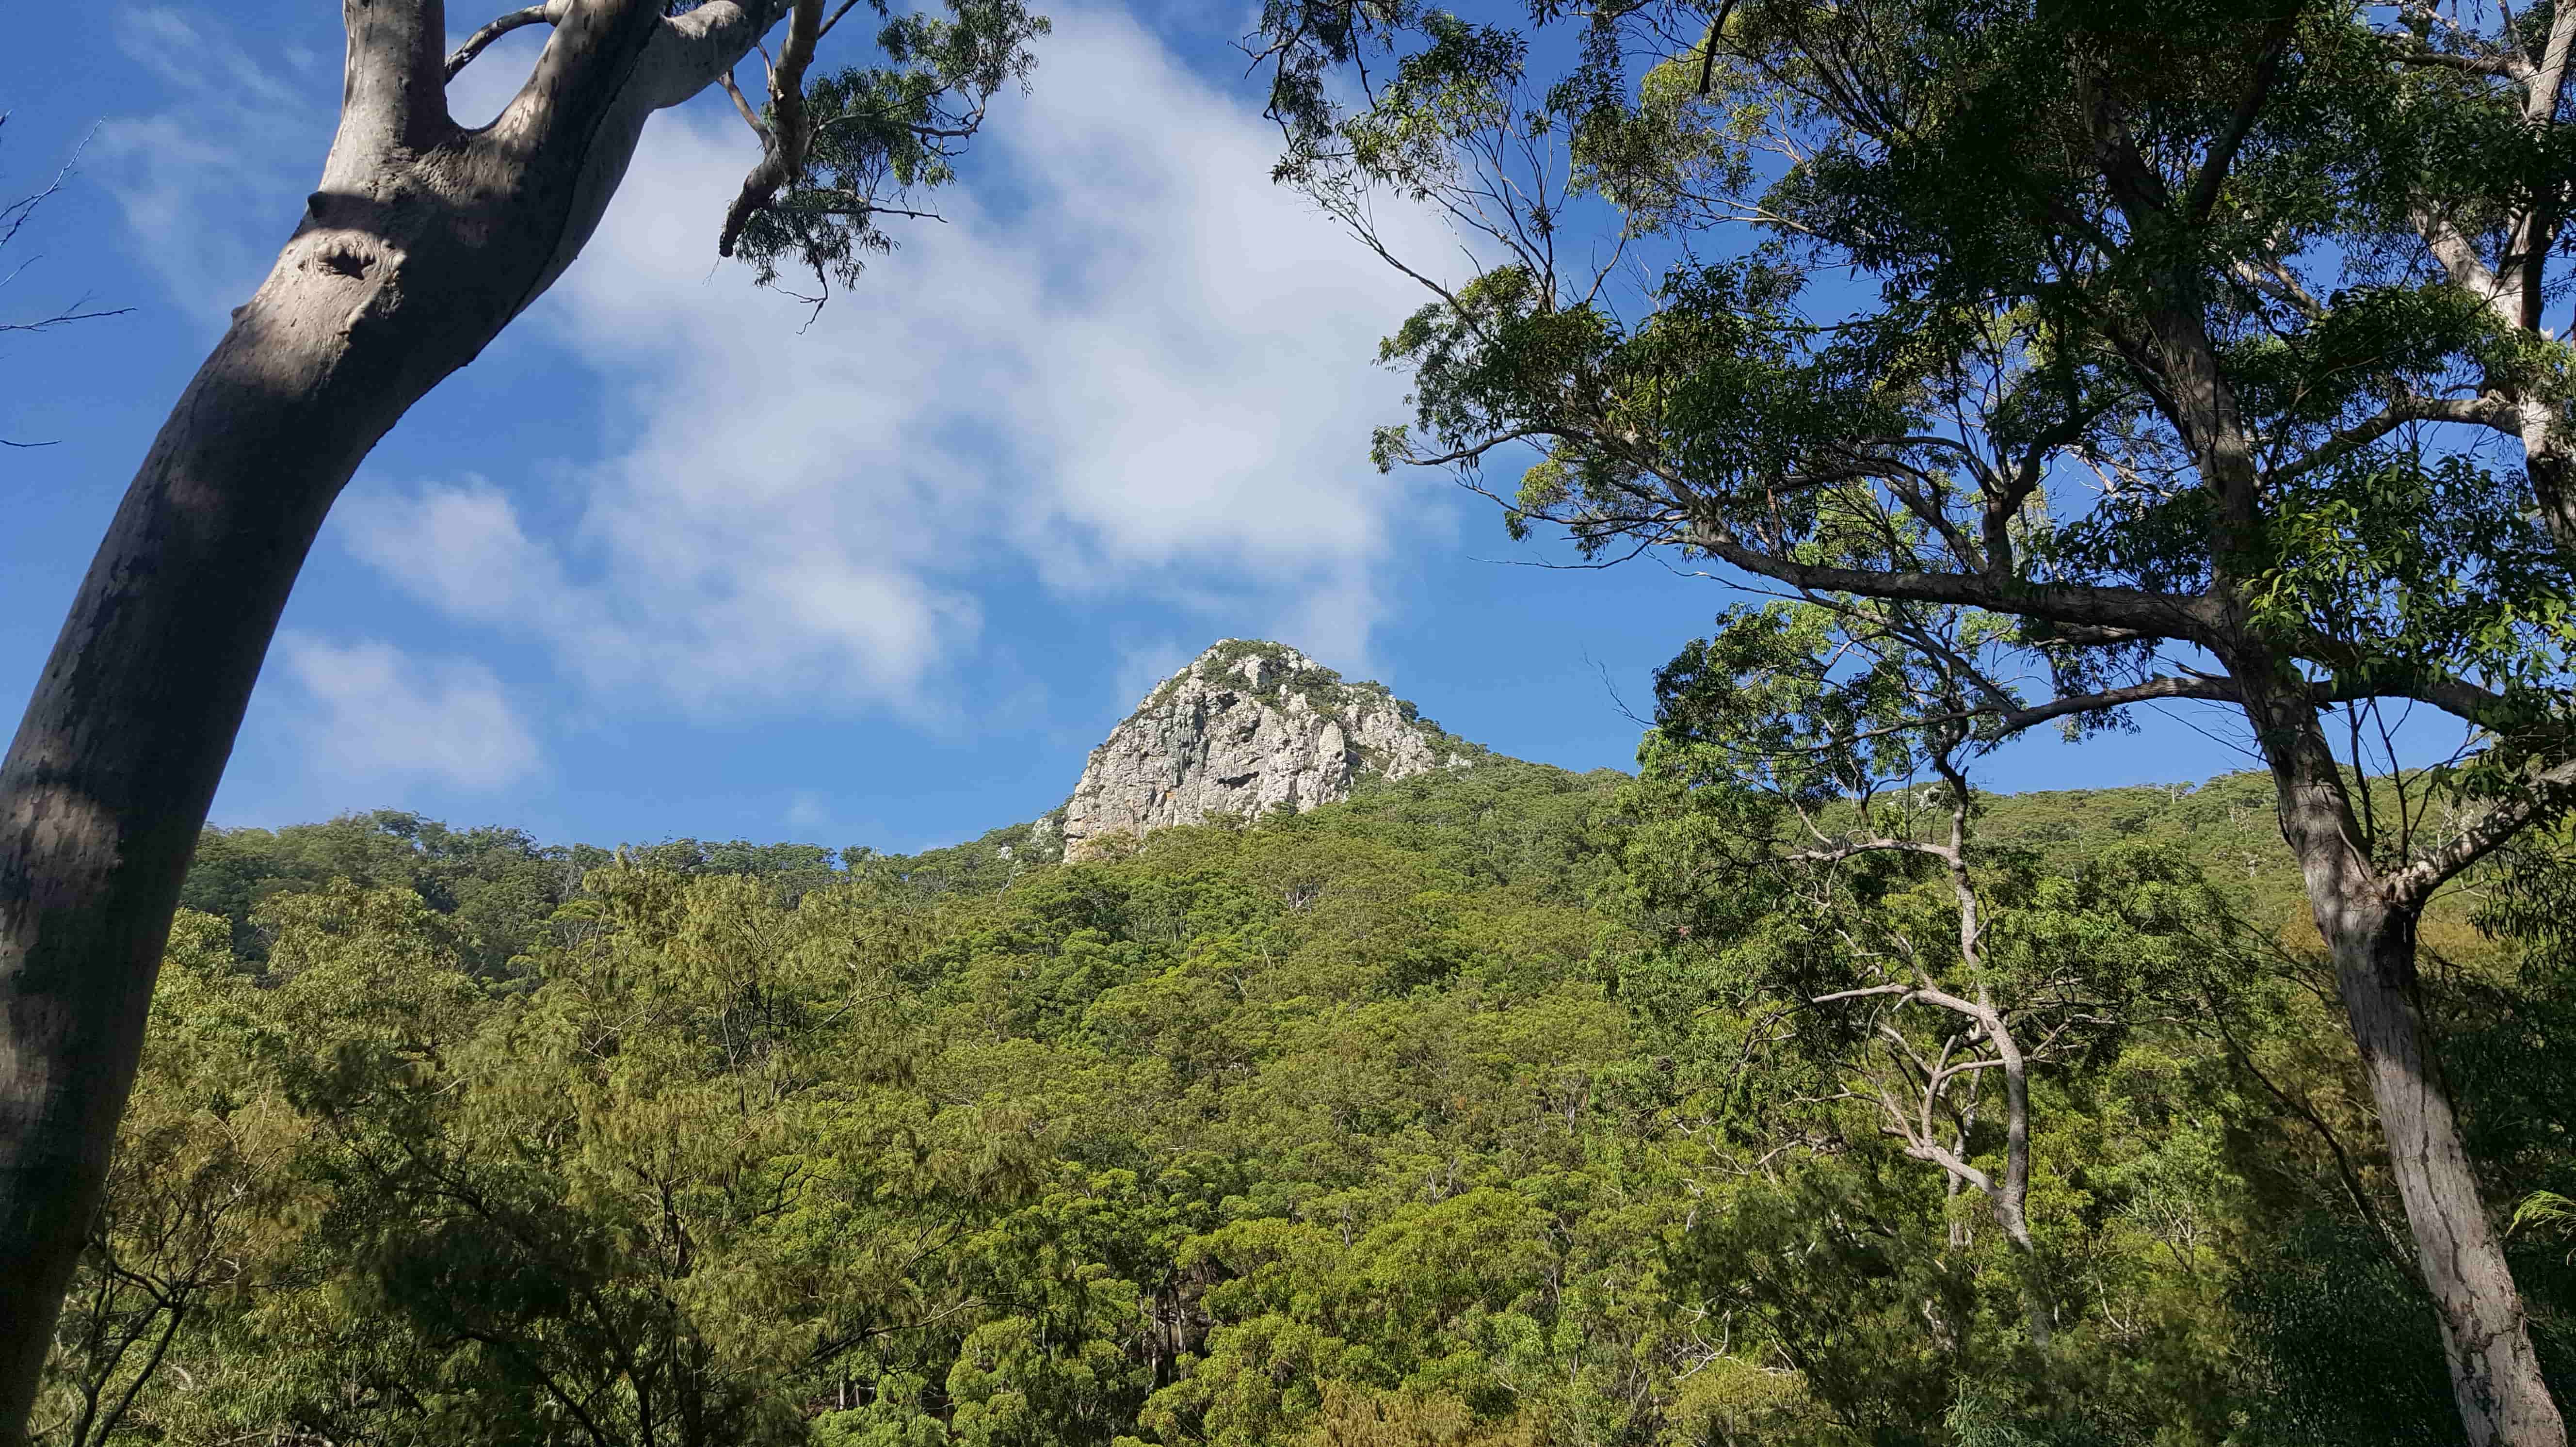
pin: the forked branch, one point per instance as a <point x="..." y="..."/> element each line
<point x="788" y="131"/>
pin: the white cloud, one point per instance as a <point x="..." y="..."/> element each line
<point x="1147" y="380"/>
<point x="373" y="713"/>
<point x="459" y="549"/>
<point x="1127" y="371"/>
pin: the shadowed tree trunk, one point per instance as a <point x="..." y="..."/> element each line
<point x="423" y="241"/>
<point x="2367" y="917"/>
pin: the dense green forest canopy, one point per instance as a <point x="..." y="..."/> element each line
<point x="1464" y="1112"/>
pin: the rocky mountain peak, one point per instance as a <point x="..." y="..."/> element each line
<point x="1246" y="727"/>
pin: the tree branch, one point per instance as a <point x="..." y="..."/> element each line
<point x="2276" y="281"/>
<point x="783" y="144"/>
<point x="547" y="12"/>
<point x="742" y="106"/>
<point x="2162" y="615"/>
<point x="1928" y="994"/>
<point x="2495" y="65"/>
<point x="1853" y="850"/>
<point x="1939" y="1155"/>
<point x="1862" y="994"/>
<point x="2222" y="154"/>
<point x="2549" y="85"/>
<point x="2482" y="411"/>
<point x="590" y="74"/>
<point x="846" y="7"/>
<point x="2217" y="690"/>
<point x="2460" y="261"/>
<point x="2530" y="721"/>
<point x="2547" y="793"/>
<point x="688" y="51"/>
<point x="1708" y="48"/>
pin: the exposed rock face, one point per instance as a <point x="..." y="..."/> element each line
<point x="1246" y="727"/>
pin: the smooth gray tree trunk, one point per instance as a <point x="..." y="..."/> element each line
<point x="422" y="242"/>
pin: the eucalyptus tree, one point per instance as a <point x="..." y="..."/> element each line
<point x="2205" y="340"/>
<point x="422" y="241"/>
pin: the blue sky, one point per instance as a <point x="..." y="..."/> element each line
<point x="660" y="563"/>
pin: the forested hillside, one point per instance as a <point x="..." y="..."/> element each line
<point x="1489" y="1107"/>
<point x="1312" y="1077"/>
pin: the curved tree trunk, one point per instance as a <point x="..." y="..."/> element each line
<point x="422" y="243"/>
<point x="112" y="770"/>
<point x="108" y="781"/>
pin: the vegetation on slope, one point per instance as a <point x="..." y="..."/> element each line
<point x="1457" y="1114"/>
